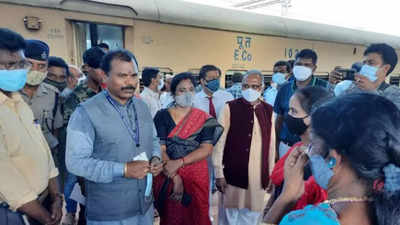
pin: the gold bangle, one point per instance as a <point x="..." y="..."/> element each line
<point x="125" y="169"/>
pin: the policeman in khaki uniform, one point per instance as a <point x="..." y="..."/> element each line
<point x="42" y="98"/>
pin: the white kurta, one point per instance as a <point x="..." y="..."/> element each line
<point x="255" y="197"/>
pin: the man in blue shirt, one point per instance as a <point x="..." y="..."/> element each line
<point x="281" y="70"/>
<point x="236" y="89"/>
<point x="303" y="70"/>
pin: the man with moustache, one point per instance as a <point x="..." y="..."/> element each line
<point x="113" y="144"/>
<point x="87" y="89"/>
<point x="27" y="174"/>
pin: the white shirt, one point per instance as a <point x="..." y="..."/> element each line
<point x="219" y="99"/>
<point x="166" y="99"/>
<point x="152" y="100"/>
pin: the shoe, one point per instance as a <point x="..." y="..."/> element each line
<point x="69" y="219"/>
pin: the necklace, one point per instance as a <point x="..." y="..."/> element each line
<point x="348" y="199"/>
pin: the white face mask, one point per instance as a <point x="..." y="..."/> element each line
<point x="81" y="79"/>
<point x="185" y="100"/>
<point x="160" y="84"/>
<point x="302" y="73"/>
<point x="250" y="94"/>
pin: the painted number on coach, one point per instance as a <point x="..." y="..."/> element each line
<point x="242" y="50"/>
<point x="291" y="52"/>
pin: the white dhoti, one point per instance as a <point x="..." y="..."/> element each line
<point x="240" y="206"/>
<point x="239" y="217"/>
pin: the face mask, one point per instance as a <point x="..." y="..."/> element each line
<point x="278" y="78"/>
<point x="35" y="78"/>
<point x="12" y="80"/>
<point x="184" y="100"/>
<point x="321" y="170"/>
<point x="66" y="92"/>
<point x="302" y="73"/>
<point x="369" y="72"/>
<point x="81" y="80"/>
<point x="342" y="87"/>
<point x="296" y="126"/>
<point x="59" y="85"/>
<point x="250" y="94"/>
<point x="213" y="85"/>
<point x="160" y="84"/>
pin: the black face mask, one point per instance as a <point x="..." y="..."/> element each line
<point x="59" y="85"/>
<point x="296" y="126"/>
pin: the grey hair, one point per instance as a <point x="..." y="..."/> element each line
<point x="251" y="72"/>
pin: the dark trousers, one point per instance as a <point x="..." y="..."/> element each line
<point x="8" y="217"/>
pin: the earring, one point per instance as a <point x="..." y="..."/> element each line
<point x="332" y="163"/>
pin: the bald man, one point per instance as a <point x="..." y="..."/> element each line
<point x="73" y="78"/>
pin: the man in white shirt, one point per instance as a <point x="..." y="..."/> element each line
<point x="166" y="97"/>
<point x="152" y="85"/>
<point x="211" y="100"/>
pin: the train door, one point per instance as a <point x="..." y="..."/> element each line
<point x="87" y="35"/>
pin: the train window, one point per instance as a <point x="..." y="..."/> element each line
<point x="87" y="35"/>
<point x="229" y="74"/>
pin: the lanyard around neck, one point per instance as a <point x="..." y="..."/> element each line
<point x="134" y="135"/>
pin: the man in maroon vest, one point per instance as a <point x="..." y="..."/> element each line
<point x="244" y="156"/>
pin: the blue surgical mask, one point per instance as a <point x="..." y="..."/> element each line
<point x="342" y="87"/>
<point x="369" y="72"/>
<point x="213" y="85"/>
<point x="13" y="80"/>
<point x="321" y="170"/>
<point x="278" y="78"/>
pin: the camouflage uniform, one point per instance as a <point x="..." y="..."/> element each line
<point x="80" y="94"/>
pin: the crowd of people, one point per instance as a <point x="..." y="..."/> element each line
<point x="298" y="150"/>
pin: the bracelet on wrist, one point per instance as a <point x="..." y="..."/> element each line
<point x="125" y="169"/>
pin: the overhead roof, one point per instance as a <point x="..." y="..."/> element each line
<point x="193" y="14"/>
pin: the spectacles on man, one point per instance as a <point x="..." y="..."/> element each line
<point x="24" y="64"/>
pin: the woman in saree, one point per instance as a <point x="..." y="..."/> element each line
<point x="298" y="121"/>
<point x="355" y="156"/>
<point x="187" y="136"/>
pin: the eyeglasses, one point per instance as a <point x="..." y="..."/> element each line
<point x="24" y="64"/>
<point x="253" y="86"/>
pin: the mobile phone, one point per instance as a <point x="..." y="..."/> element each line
<point x="347" y="74"/>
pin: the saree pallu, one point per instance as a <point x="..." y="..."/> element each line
<point x="181" y="141"/>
